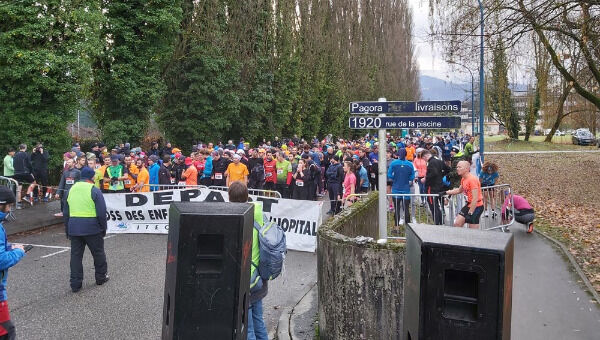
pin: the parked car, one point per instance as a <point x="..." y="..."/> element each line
<point x="583" y="137"/>
<point x="559" y="133"/>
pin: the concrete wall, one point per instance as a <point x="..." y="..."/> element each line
<point x="360" y="284"/>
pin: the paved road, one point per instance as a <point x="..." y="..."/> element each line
<point x="129" y="306"/>
<point x="549" y="301"/>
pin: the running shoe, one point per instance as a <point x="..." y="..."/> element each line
<point x="19" y="206"/>
<point x="45" y="199"/>
<point x="530" y="228"/>
<point x="494" y="214"/>
<point x="60" y="214"/>
<point x="486" y="214"/>
<point x="28" y="200"/>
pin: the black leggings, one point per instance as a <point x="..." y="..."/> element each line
<point x="41" y="177"/>
<point x="401" y="203"/>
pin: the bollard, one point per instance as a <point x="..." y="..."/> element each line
<point x="208" y="271"/>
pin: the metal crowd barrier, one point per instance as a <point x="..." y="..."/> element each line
<point x="13" y="185"/>
<point x="255" y="192"/>
<point x="348" y="199"/>
<point x="424" y="209"/>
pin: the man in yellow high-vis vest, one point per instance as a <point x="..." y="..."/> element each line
<point x="85" y="224"/>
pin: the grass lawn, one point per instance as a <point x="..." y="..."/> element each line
<point x="535" y="143"/>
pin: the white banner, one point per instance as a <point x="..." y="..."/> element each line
<point x="148" y="213"/>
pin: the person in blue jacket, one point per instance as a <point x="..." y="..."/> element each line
<point x="208" y="168"/>
<point x="85" y="224"/>
<point x="402" y="173"/>
<point x="153" y="168"/>
<point x="10" y="254"/>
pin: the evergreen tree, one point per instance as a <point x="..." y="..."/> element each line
<point x="501" y="102"/>
<point x="139" y="37"/>
<point x="45" y="50"/>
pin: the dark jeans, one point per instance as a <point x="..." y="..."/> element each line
<point x="96" y="245"/>
<point x="334" y="191"/>
<point x="401" y="203"/>
<point x="206" y="181"/>
<point x="41" y="177"/>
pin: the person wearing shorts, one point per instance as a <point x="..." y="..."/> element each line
<point x="471" y="187"/>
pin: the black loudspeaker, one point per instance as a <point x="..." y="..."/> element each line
<point x="458" y="283"/>
<point x="207" y="281"/>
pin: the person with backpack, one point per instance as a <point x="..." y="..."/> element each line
<point x="268" y="254"/>
<point x="10" y="255"/>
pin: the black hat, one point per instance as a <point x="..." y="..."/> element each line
<point x="6" y="196"/>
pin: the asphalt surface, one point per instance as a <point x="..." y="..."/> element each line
<point x="130" y="305"/>
<point x="549" y="299"/>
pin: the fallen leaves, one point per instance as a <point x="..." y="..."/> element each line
<point x="564" y="189"/>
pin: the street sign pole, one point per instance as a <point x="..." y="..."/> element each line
<point x="382" y="184"/>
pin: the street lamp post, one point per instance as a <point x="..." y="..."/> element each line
<point x="472" y="95"/>
<point x="481" y="85"/>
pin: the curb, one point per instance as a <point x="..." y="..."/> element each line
<point x="578" y="269"/>
<point x="285" y="325"/>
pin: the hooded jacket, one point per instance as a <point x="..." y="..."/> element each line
<point x="8" y="257"/>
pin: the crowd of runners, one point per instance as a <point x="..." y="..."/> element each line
<point x="294" y="167"/>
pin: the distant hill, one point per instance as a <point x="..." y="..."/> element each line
<point x="439" y="89"/>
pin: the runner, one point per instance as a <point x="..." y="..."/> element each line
<point x="153" y="168"/>
<point x="334" y="175"/>
<point x="270" y="166"/>
<point x="220" y="164"/>
<point x="402" y="174"/>
<point x="236" y="171"/>
<point x="488" y="178"/>
<point x="191" y="173"/>
<point x="470" y="186"/>
<point x="301" y="180"/>
<point x="284" y="175"/>
<point x="115" y="175"/>
<point x="349" y="183"/>
<point x="143" y="177"/>
<point x="132" y="172"/>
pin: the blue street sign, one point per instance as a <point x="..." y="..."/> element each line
<point x="437" y="122"/>
<point x="405" y="107"/>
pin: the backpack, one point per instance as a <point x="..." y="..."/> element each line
<point x="258" y="173"/>
<point x="272" y="245"/>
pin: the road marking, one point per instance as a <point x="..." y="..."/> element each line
<point x="109" y="236"/>
<point x="55" y="253"/>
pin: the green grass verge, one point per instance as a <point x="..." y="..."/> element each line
<point x="535" y="143"/>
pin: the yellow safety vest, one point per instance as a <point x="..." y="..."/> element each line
<point x="80" y="200"/>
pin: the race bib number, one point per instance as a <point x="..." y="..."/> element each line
<point x="279" y="171"/>
<point x="218" y="176"/>
<point x="172" y="180"/>
<point x="268" y="174"/>
<point x="128" y="182"/>
<point x="373" y="175"/>
<point x="70" y="181"/>
<point x="299" y="183"/>
<point x="181" y="183"/>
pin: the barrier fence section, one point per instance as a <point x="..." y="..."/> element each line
<point x="13" y="185"/>
<point x="438" y="210"/>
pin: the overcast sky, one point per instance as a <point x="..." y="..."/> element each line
<point x="430" y="60"/>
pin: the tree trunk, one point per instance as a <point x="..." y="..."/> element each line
<point x="559" y="113"/>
